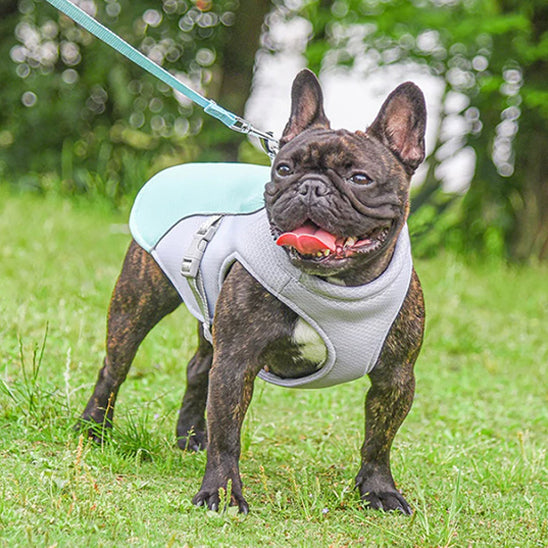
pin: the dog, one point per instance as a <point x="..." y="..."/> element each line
<point x="334" y="218"/>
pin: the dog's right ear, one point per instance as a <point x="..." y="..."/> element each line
<point x="306" y="106"/>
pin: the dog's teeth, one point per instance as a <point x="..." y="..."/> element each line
<point x="326" y="253"/>
<point x="350" y="241"/>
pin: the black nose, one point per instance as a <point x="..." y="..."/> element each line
<point x="313" y="188"/>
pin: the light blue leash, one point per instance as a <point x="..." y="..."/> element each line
<point x="210" y="107"/>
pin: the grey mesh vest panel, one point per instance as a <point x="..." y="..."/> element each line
<point x="352" y="321"/>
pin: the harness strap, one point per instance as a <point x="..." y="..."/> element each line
<point x="190" y="268"/>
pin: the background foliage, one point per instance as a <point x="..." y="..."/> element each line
<point x="76" y="111"/>
<point x="77" y="118"/>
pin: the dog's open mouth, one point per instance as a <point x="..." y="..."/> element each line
<point x="313" y="242"/>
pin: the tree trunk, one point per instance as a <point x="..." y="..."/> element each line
<point x="234" y="75"/>
<point x="530" y="238"/>
<point x="7" y="8"/>
<point x="531" y="230"/>
<point x="238" y="56"/>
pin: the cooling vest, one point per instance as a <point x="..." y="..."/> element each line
<point x="201" y="218"/>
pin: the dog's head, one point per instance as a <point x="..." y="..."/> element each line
<point x="337" y="200"/>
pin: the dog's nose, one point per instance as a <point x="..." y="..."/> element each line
<point x="313" y="188"/>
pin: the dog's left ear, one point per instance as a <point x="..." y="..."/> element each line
<point x="306" y="106"/>
<point x="401" y="123"/>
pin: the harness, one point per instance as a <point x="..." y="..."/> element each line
<point x="195" y="238"/>
<point x="195" y="245"/>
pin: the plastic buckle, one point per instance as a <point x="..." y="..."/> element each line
<point x="193" y="255"/>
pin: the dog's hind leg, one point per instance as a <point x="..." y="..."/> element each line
<point x="191" y="426"/>
<point x="141" y="298"/>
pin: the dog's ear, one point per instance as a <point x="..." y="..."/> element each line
<point x="306" y="106"/>
<point x="401" y="123"/>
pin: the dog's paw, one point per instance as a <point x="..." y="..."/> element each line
<point x="212" y="499"/>
<point x="378" y="491"/>
<point x="192" y="441"/>
<point x="388" y="501"/>
<point x="92" y="430"/>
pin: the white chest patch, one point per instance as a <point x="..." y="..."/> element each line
<point x="311" y="344"/>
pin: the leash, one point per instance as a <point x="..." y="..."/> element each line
<point x="269" y="143"/>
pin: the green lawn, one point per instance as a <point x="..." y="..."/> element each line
<point x="470" y="458"/>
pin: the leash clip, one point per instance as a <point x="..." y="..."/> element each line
<point x="266" y="138"/>
<point x="270" y="145"/>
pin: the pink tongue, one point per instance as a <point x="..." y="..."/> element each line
<point x="308" y="239"/>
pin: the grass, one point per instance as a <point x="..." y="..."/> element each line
<point x="470" y="458"/>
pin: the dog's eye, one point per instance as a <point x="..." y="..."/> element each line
<point x="283" y="170"/>
<point x="361" y="179"/>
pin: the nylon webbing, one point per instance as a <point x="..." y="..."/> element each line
<point x="190" y="268"/>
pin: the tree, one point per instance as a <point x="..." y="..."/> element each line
<point x="529" y="232"/>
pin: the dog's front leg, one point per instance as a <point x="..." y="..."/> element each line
<point x="230" y="390"/>
<point x="388" y="402"/>
<point x="247" y="320"/>
<point x="387" y="405"/>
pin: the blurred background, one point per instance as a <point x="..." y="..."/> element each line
<point x="76" y="118"/>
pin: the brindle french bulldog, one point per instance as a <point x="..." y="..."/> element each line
<point x="337" y="203"/>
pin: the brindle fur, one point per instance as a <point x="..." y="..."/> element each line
<point x="221" y="377"/>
